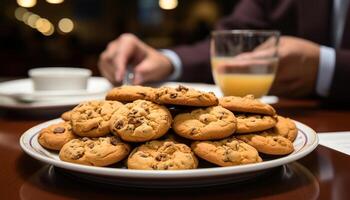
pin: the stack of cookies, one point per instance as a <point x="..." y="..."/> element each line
<point x="168" y="128"/>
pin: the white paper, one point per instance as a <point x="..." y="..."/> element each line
<point x="339" y="141"/>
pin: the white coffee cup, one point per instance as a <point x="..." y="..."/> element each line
<point x="59" y="78"/>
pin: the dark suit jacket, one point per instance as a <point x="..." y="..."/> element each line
<point x="308" y="19"/>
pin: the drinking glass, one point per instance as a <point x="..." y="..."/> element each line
<point x="244" y="61"/>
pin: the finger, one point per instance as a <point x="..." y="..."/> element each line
<point x="144" y="72"/>
<point x="105" y="67"/>
<point x="106" y="70"/>
<point x="106" y="61"/>
<point x="269" y="43"/>
<point x="120" y="61"/>
<point x="263" y="53"/>
<point x="140" y="75"/>
<point x="112" y="49"/>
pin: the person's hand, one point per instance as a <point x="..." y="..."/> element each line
<point x="298" y="67"/>
<point x="149" y="65"/>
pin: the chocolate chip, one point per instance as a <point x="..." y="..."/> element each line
<point x="143" y="155"/>
<point x="226" y="159"/>
<point x="181" y="88"/>
<point x="84" y="139"/>
<point x="91" y="145"/>
<point x="59" y="130"/>
<point x="160" y="157"/>
<point x="114" y="141"/>
<point x="136" y="122"/>
<point x="222" y="114"/>
<point x="154" y="167"/>
<point x="173" y="95"/>
<point x="193" y="131"/>
<point x="141" y="93"/>
<point x="119" y="124"/>
<point x="78" y="155"/>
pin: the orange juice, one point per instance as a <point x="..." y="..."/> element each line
<point x="243" y="84"/>
<point x="243" y="80"/>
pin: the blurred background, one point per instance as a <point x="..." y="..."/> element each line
<point x="72" y="33"/>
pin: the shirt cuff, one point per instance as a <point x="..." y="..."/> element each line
<point x="175" y="61"/>
<point x="325" y="71"/>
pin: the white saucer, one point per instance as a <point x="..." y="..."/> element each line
<point x="213" y="88"/>
<point x="19" y="94"/>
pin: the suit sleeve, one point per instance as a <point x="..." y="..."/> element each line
<point x="196" y="58"/>
<point x="339" y="89"/>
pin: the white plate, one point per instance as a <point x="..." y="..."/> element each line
<point x="305" y="142"/>
<point x="96" y="89"/>
<point x="213" y="88"/>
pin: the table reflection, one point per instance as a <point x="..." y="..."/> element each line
<point x="291" y="180"/>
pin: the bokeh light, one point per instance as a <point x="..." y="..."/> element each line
<point x="26" y="3"/>
<point x="43" y="25"/>
<point x="19" y="12"/>
<point x="55" y="1"/>
<point x="25" y="16"/>
<point x="50" y="31"/>
<point x="66" y="25"/>
<point x="168" y="4"/>
<point x="32" y="19"/>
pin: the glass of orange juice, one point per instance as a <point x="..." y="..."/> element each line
<point x="244" y="61"/>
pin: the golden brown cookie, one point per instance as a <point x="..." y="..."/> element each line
<point x="286" y="128"/>
<point x="102" y="151"/>
<point x="226" y="152"/>
<point x="56" y="135"/>
<point x="246" y="104"/>
<point x="247" y="123"/>
<point x="162" y="155"/>
<point x="92" y="118"/>
<point x="269" y="143"/>
<point x="209" y="123"/>
<point x="184" y="96"/>
<point x="141" y="121"/>
<point x="66" y="115"/>
<point x="129" y="93"/>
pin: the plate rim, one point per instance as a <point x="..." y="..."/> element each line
<point x="192" y="173"/>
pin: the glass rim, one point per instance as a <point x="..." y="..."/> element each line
<point x="246" y="31"/>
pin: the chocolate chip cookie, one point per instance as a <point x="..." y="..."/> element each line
<point x="55" y="136"/>
<point x="286" y="128"/>
<point x="226" y="152"/>
<point x="268" y="142"/>
<point x="92" y="118"/>
<point x="66" y="115"/>
<point x="129" y="93"/>
<point x="141" y="121"/>
<point x="246" y="104"/>
<point x="247" y="123"/>
<point x="209" y="123"/>
<point x="184" y="96"/>
<point x="102" y="151"/>
<point x="162" y="155"/>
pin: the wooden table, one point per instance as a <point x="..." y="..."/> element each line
<point x="323" y="174"/>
